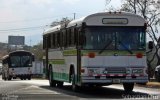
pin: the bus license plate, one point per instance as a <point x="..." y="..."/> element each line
<point x="116" y="80"/>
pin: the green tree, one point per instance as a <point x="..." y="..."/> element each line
<point x="37" y="50"/>
<point x="65" y="20"/>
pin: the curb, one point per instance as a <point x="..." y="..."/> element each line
<point x="150" y="85"/>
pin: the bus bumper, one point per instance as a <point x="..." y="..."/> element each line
<point x="103" y="80"/>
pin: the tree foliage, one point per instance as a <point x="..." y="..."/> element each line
<point x="62" y="21"/>
<point x="37" y="50"/>
<point x="150" y="11"/>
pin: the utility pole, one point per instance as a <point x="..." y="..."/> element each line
<point x="74" y="16"/>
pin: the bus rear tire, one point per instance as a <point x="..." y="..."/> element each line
<point x="52" y="82"/>
<point x="29" y="77"/>
<point x="128" y="87"/>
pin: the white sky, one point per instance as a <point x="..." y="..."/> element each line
<point x="16" y="14"/>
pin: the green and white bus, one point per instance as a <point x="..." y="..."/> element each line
<point x="17" y="64"/>
<point x="99" y="49"/>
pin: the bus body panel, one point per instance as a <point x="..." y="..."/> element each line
<point x="20" y="71"/>
<point x="61" y="63"/>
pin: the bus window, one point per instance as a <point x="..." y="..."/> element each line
<point x="26" y="61"/>
<point x="49" y="41"/>
<point x="75" y="36"/>
<point x="97" y="38"/>
<point x="15" y="61"/>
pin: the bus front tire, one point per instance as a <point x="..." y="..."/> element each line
<point x="59" y="84"/>
<point x="9" y="78"/>
<point x="21" y="78"/>
<point x="128" y="87"/>
<point x="74" y="86"/>
<point x="52" y="82"/>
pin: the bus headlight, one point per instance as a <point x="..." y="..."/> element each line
<point x="137" y="71"/>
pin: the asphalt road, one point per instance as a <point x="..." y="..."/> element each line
<point x="39" y="90"/>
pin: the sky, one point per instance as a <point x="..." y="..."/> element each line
<point x="30" y="18"/>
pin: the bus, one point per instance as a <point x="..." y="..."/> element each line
<point x="100" y="49"/>
<point x="17" y="64"/>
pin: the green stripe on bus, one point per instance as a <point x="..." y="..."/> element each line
<point x="57" y="61"/>
<point x="60" y="76"/>
<point x="70" y="52"/>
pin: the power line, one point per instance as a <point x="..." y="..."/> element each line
<point x="23" y="29"/>
<point x="36" y="19"/>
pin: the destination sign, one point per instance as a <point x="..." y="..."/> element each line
<point x="115" y="21"/>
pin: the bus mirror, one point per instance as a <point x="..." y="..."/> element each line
<point x="145" y="26"/>
<point x="150" y="44"/>
<point x="3" y="62"/>
<point x="83" y="25"/>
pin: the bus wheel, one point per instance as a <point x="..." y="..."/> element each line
<point x="59" y="84"/>
<point x="29" y="77"/>
<point x="5" y="78"/>
<point x="21" y="78"/>
<point x="128" y="87"/>
<point x="74" y="86"/>
<point x="52" y="83"/>
<point x="9" y="77"/>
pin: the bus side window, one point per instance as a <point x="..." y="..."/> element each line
<point x="61" y="39"/>
<point x="69" y="37"/>
<point x="49" y="41"/>
<point x="72" y="37"/>
<point x="53" y="40"/>
<point x="58" y="39"/>
<point x="65" y="38"/>
<point x="75" y="36"/>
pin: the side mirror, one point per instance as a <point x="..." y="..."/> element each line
<point x="3" y="62"/>
<point x="150" y="44"/>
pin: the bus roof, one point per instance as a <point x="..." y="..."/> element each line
<point x="110" y="19"/>
<point x="53" y="29"/>
<point x="105" y="19"/>
<point x="20" y="51"/>
<point x="15" y="52"/>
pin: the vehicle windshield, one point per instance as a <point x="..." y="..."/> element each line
<point x="21" y="61"/>
<point x="119" y="38"/>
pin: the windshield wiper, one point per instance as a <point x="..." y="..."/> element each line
<point x="110" y="41"/>
<point x="126" y="48"/>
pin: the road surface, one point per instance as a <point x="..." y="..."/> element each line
<point x="39" y="90"/>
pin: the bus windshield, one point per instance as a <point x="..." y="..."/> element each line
<point x="114" y="38"/>
<point x="21" y="61"/>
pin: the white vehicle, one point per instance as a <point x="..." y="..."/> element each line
<point x="157" y="73"/>
<point x="99" y="49"/>
<point x="0" y="68"/>
<point x="17" y="64"/>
